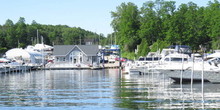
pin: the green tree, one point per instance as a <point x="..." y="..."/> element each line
<point x="143" y="48"/>
<point x="10" y="35"/>
<point x="149" y="26"/>
<point x="212" y="16"/>
<point x="126" y="24"/>
<point x="3" y="42"/>
<point x="21" y="33"/>
<point x="159" y="45"/>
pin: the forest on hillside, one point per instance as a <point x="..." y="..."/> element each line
<point x="21" y="34"/>
<point x="155" y="25"/>
<point x="158" y="24"/>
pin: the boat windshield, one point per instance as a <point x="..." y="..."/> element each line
<point x="152" y="59"/>
<point x="149" y="59"/>
<point x="175" y="59"/>
<point x="141" y="59"/>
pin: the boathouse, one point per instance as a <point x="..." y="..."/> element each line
<point x="76" y="54"/>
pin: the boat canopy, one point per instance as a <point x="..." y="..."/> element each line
<point x="43" y="47"/>
<point x="17" y="53"/>
<point x="25" y="55"/>
<point x="181" y="49"/>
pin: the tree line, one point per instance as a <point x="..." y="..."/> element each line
<point x="158" y="24"/>
<point x="20" y="35"/>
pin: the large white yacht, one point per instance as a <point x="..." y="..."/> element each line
<point x="186" y="69"/>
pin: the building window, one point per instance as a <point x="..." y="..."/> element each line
<point x="64" y="59"/>
<point x="87" y="58"/>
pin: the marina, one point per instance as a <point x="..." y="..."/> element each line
<point x="84" y="79"/>
<point x="105" y="55"/>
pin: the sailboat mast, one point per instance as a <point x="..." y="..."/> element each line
<point x="37" y="37"/>
<point x="42" y="40"/>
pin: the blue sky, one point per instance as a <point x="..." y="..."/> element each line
<point x="92" y="15"/>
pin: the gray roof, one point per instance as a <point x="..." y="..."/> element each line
<point x="62" y="50"/>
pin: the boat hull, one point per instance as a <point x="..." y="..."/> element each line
<point x="208" y="75"/>
<point x="187" y="80"/>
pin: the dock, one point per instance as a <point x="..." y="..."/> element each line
<point x="70" y="67"/>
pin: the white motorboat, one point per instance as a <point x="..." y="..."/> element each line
<point x="172" y="64"/>
<point x="142" y="65"/>
<point x="131" y="68"/>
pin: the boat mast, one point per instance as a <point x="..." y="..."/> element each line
<point x="42" y="40"/>
<point x="37" y="37"/>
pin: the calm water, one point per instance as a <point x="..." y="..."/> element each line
<point x="101" y="89"/>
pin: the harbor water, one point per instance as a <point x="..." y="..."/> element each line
<point x="101" y="89"/>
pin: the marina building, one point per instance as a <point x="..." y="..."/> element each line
<point x="76" y="54"/>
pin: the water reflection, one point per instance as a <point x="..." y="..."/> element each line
<point x="138" y="92"/>
<point x="101" y="89"/>
<point x="155" y="91"/>
<point x="66" y="88"/>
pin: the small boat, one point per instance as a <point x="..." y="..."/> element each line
<point x="142" y="65"/>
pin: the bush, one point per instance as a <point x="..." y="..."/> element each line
<point x="128" y="55"/>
